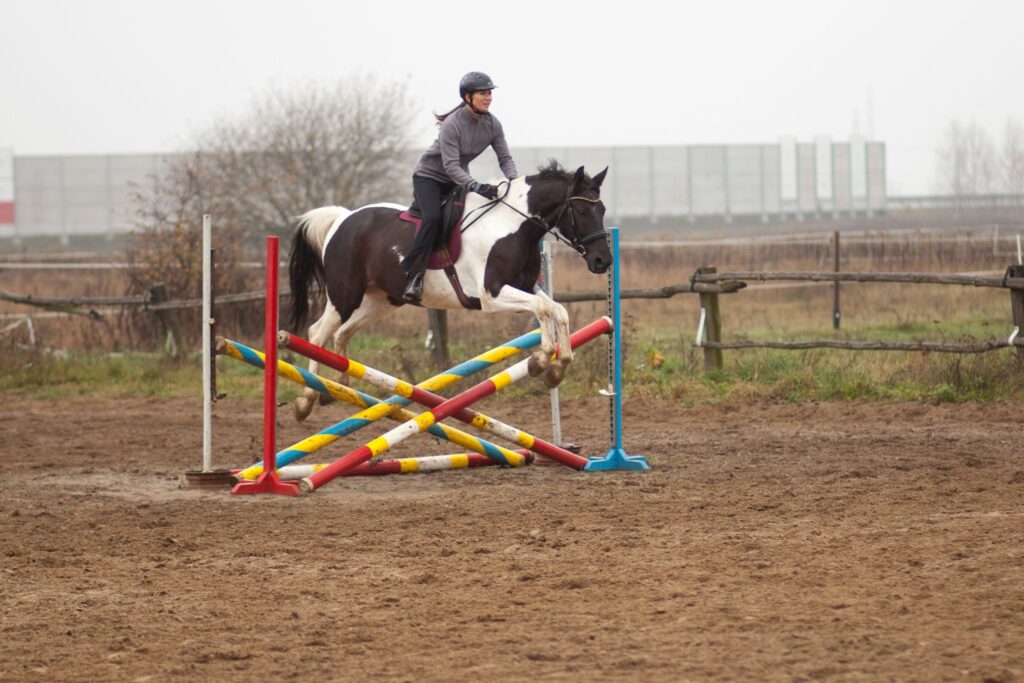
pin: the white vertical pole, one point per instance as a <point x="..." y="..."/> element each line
<point x="207" y="347"/>
<point x="1019" y="260"/>
<point x="556" y="412"/>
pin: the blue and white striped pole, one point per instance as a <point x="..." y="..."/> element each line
<point x="616" y="458"/>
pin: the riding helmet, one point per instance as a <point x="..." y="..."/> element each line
<point x="475" y="81"/>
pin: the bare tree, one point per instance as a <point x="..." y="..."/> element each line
<point x="966" y="160"/>
<point x="299" y="149"/>
<point x="293" y="150"/>
<point x="167" y="247"/>
<point x="1012" y="160"/>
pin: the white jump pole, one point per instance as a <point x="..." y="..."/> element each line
<point x="207" y="477"/>
<point x="549" y="287"/>
<point x="207" y="346"/>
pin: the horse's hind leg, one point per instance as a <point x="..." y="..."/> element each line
<point x="373" y="306"/>
<point x="319" y="333"/>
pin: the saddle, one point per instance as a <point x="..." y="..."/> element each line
<point x="445" y="256"/>
<point x="452" y="208"/>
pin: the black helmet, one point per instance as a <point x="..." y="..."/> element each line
<point x="475" y="81"/>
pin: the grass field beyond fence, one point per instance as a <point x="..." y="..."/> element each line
<point x="660" y="361"/>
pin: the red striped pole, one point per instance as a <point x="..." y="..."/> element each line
<point x="379" y="467"/>
<point x="444" y="410"/>
<point x="422" y="464"/>
<point x="268" y="481"/>
<point x="429" y="399"/>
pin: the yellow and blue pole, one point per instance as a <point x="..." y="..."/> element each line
<point x="616" y="458"/>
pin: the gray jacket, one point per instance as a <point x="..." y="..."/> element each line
<point x="463" y="136"/>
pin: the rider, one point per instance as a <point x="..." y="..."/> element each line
<point x="466" y="131"/>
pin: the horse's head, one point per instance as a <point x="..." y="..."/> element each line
<point x="571" y="204"/>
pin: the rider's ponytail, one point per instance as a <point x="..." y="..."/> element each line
<point x="441" y="117"/>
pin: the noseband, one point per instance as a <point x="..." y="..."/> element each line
<point x="576" y="242"/>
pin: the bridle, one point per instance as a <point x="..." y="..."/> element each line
<point x="576" y="242"/>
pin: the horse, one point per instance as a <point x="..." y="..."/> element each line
<point x="354" y="256"/>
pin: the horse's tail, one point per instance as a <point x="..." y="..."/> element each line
<point x="305" y="265"/>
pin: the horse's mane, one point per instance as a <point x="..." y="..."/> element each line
<point x="553" y="171"/>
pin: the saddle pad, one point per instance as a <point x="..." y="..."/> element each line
<point x="437" y="259"/>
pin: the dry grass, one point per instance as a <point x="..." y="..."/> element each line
<point x="659" y="359"/>
<point x="778" y="310"/>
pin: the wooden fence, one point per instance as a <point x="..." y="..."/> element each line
<point x="1012" y="280"/>
<point x="706" y="282"/>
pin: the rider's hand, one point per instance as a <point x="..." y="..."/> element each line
<point x="489" y="191"/>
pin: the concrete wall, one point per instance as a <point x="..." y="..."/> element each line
<point x="91" y="195"/>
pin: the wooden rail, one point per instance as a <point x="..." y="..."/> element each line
<point x="666" y="292"/>
<point x="706" y="282"/>
<point x="1005" y="282"/>
<point x="147" y="302"/>
<point x="75" y="301"/>
<point x="977" y="347"/>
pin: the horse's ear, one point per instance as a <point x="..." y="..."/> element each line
<point x="599" y="178"/>
<point x="579" y="177"/>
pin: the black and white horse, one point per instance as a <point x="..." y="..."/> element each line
<point x="355" y="256"/>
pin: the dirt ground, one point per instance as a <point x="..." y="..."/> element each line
<point x="771" y="542"/>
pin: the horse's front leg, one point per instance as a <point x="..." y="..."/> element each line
<point x="554" y="373"/>
<point x="542" y="308"/>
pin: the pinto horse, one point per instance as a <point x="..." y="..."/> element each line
<point x="354" y="256"/>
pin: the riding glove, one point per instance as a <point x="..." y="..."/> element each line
<point x="489" y="191"/>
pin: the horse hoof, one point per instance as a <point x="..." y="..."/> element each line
<point x="553" y="375"/>
<point x="539" y="362"/>
<point x="326" y="399"/>
<point x="301" y="408"/>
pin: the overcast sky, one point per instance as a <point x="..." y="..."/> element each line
<point x="106" y="76"/>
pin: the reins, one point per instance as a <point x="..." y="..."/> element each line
<point x="577" y="243"/>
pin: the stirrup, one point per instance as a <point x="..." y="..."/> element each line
<point x="413" y="289"/>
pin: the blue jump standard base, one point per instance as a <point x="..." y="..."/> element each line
<point x="616" y="458"/>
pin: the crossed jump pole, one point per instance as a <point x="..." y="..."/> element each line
<point x="373" y="409"/>
<point x="425" y="463"/>
<point x="448" y="408"/>
<point x="426" y="398"/>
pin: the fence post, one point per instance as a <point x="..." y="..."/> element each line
<point x="438" y="322"/>
<point x="709" y="302"/>
<point x="173" y="344"/>
<point x="213" y="325"/>
<point x="835" y="286"/>
<point x="1017" y="304"/>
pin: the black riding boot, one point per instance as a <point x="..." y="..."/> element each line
<point x="414" y="285"/>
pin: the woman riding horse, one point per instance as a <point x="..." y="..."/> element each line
<point x="466" y="131"/>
